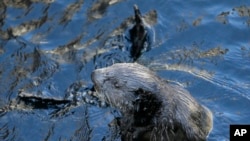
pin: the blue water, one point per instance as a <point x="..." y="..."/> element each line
<point x="48" y="47"/>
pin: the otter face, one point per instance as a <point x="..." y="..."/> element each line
<point x="117" y="84"/>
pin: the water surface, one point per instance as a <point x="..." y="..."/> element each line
<point x="49" y="48"/>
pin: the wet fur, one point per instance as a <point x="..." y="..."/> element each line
<point x="151" y="108"/>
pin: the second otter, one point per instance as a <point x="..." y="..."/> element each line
<point x="151" y="109"/>
<point x="139" y="35"/>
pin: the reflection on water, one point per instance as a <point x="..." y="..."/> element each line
<point x="49" y="48"/>
<point x="99" y="8"/>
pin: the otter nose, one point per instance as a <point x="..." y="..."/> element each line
<point x="93" y="76"/>
<point x="97" y="77"/>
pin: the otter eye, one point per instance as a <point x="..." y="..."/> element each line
<point x="116" y="84"/>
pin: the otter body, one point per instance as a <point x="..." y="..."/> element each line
<point x="151" y="109"/>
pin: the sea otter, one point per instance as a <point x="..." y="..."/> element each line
<point x="139" y="35"/>
<point x="151" y="109"/>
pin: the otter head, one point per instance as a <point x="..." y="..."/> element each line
<point x="118" y="84"/>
